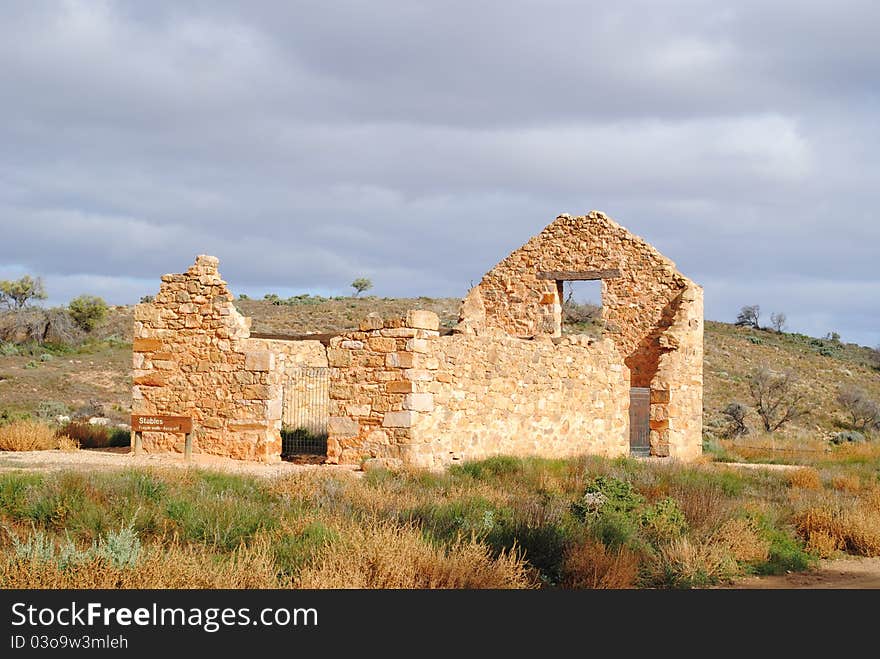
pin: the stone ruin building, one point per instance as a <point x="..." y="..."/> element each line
<point x="505" y="380"/>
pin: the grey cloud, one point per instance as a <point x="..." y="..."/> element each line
<point x="418" y="143"/>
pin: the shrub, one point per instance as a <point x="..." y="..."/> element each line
<point x="88" y="311"/>
<point x="863" y="411"/>
<point x="787" y="553"/>
<point x="49" y="410"/>
<point x="94" y="436"/>
<point x="590" y="564"/>
<point x="38" y="327"/>
<point x="736" y="414"/>
<point x="8" y="349"/>
<point x="687" y="563"/>
<point x="848" y="437"/>
<point x="749" y="316"/>
<point x="855" y="529"/>
<point x="806" y="478"/>
<point x="26" y="435"/>
<point x="777" y="321"/>
<point x="776" y="397"/>
<point x="384" y="555"/>
<point x="663" y="521"/>
<point x="741" y="539"/>
<point x="606" y="494"/>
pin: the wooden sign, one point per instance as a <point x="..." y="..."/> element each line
<point x="161" y="423"/>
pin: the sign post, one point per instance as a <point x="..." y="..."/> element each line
<point x="141" y="423"/>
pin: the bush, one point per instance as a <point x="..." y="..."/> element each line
<point x="38" y="327"/>
<point x="383" y="555"/>
<point x="806" y="478"/>
<point x="26" y="435"/>
<point x="590" y="564"/>
<point x="688" y="563"/>
<point x="736" y="414"/>
<point x="49" y="410"/>
<point x="92" y="436"/>
<point x="777" y="397"/>
<point x="663" y="521"/>
<point x="848" y="436"/>
<point x="862" y="410"/>
<point x="854" y="529"/>
<point x="88" y="311"/>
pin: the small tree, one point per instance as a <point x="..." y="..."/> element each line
<point x="88" y="311"/>
<point x="16" y="294"/>
<point x="749" y="316"/>
<point x="736" y="416"/>
<point x="777" y="397"/>
<point x="777" y="321"/>
<point x="360" y="285"/>
<point x="864" y="412"/>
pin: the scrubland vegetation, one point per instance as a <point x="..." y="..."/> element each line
<point x="499" y="523"/>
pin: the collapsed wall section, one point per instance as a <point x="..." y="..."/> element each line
<point x="192" y="356"/>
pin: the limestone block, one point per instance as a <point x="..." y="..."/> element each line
<point x="399" y="387"/>
<point x="342" y="427"/>
<point x="152" y="380"/>
<point x="421" y="402"/>
<point x="373" y="321"/>
<point x="403" y="419"/>
<point x="399" y="360"/>
<point x="146" y="345"/>
<point x="382" y="344"/>
<point x="422" y="319"/>
<point x="259" y="360"/>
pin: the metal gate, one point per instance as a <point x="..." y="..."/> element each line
<point x="306" y="412"/>
<point x="640" y="421"/>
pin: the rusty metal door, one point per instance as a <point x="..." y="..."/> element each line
<point x="640" y="421"/>
<point x="306" y="412"/>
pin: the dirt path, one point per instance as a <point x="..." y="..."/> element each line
<point x="856" y="573"/>
<point x="108" y="459"/>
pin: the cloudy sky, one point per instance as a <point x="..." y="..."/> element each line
<point x="417" y="143"/>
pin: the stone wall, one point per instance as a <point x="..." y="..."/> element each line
<point x="677" y="386"/>
<point x="652" y="312"/>
<point x="403" y="393"/>
<point x="496" y="394"/>
<point x="505" y="382"/>
<point x="193" y="357"/>
<point x="374" y="384"/>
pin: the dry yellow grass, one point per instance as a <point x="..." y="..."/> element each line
<point x="384" y="555"/>
<point x="166" y="567"/>
<point x="846" y="482"/>
<point x="686" y="562"/>
<point x="854" y="529"/>
<point x="806" y="478"/>
<point x="590" y="564"/>
<point x="32" y="436"/>
<point x="742" y="541"/>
